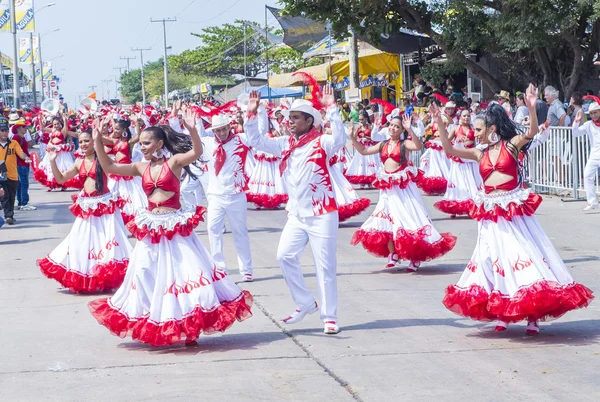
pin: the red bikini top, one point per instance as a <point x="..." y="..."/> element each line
<point x="385" y="154"/>
<point x="122" y="147"/>
<point x="57" y="134"/>
<point x="363" y="132"/>
<point x="166" y="181"/>
<point x="506" y="164"/>
<point x="85" y="174"/>
<point x="470" y="136"/>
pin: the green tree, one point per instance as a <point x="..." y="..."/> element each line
<point x="548" y="41"/>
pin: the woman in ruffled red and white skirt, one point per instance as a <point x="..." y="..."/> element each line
<point x="266" y="188"/>
<point x="434" y="163"/>
<point x="400" y="227"/>
<point x="95" y="254"/>
<point x="515" y="273"/>
<point x="129" y="188"/>
<point x="172" y="290"/>
<point x="464" y="179"/>
<point x="362" y="169"/>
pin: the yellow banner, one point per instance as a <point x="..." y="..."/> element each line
<point x="23" y="15"/>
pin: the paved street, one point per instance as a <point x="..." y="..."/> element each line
<point x="398" y="342"/>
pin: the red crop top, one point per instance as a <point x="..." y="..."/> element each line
<point x="469" y="136"/>
<point x="505" y="163"/>
<point x="166" y="181"/>
<point x="57" y="135"/>
<point x="122" y="147"/>
<point x="85" y="174"/>
<point x="385" y="154"/>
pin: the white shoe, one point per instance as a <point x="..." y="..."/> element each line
<point x="532" y="328"/>
<point x="331" y="328"/>
<point x="590" y="207"/>
<point x="413" y="267"/>
<point x="298" y="315"/>
<point x="247" y="278"/>
<point x="28" y="207"/>
<point x="392" y="260"/>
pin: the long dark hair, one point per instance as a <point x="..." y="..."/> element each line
<point x="507" y="130"/>
<point x="175" y="142"/>
<point x="125" y="124"/>
<point x="99" y="184"/>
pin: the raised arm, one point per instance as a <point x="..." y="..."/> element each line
<point x="274" y="146"/>
<point x="189" y="121"/>
<point x="333" y="143"/>
<point x="263" y="120"/>
<point x="414" y="144"/>
<point x="578" y="129"/>
<point x="531" y="97"/>
<point x="62" y="177"/>
<point x="473" y="154"/>
<point x="108" y="165"/>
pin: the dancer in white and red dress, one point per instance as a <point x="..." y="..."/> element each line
<point x="312" y="210"/>
<point x="129" y="188"/>
<point x="434" y="164"/>
<point x="173" y="290"/>
<point x="464" y="180"/>
<point x="95" y="254"/>
<point x="266" y="188"/>
<point x="363" y="168"/>
<point x="64" y="160"/>
<point x="400" y="227"/>
<point x="515" y="273"/>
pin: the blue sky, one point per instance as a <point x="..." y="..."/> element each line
<point x="95" y="34"/>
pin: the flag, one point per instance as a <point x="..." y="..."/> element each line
<point x="23" y="15"/>
<point x="299" y="33"/>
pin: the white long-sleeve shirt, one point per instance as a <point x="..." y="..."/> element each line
<point x="307" y="177"/>
<point x="593" y="132"/>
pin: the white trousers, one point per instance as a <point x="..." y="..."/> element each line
<point x="589" y="173"/>
<point x="234" y="207"/>
<point x="321" y="231"/>
<point x="191" y="190"/>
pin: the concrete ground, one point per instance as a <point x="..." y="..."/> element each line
<point x="398" y="342"/>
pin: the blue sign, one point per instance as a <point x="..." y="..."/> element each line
<point x="367" y="82"/>
<point x="25" y="20"/>
<point x="4" y="18"/>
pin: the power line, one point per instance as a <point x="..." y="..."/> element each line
<point x="128" y="58"/>
<point x="216" y="16"/>
<point x="165" y="64"/>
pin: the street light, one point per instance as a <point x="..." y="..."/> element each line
<point x="40" y="53"/>
<point x="46" y="6"/>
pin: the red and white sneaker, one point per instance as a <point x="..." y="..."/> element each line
<point x="392" y="260"/>
<point x="331" y="328"/>
<point x="247" y="278"/>
<point x="298" y="315"/>
<point x="532" y="328"/>
<point x="501" y="326"/>
<point x="413" y="267"/>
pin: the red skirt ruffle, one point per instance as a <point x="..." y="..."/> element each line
<point x="348" y="211"/>
<point x="40" y="176"/>
<point x="412" y="246"/>
<point x="432" y="185"/>
<point x="374" y="242"/>
<point x="169" y="332"/>
<point x="528" y="207"/>
<point x="107" y="276"/>
<point x="103" y="209"/>
<point x="383" y="184"/>
<point x="267" y="201"/>
<point x="433" y="145"/>
<point x="155" y="235"/>
<point x="127" y="218"/>
<point x="541" y="301"/>
<point x="454" y="207"/>
<point x="361" y="179"/>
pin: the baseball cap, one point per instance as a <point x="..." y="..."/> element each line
<point x="3" y="124"/>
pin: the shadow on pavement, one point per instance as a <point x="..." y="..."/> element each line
<point x="25" y="240"/>
<point x="569" y="333"/>
<point x="581" y="259"/>
<point x="424" y="270"/>
<point x="211" y="344"/>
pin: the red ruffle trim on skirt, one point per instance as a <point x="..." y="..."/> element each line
<point x="528" y="207"/>
<point x="155" y="235"/>
<point x="540" y="301"/>
<point x="434" y="146"/>
<point x="265" y="158"/>
<point x="361" y="179"/>
<point x="383" y="184"/>
<point x="267" y="201"/>
<point x="103" y="209"/>
<point x="127" y="218"/>
<point x="107" y="276"/>
<point x="40" y="176"/>
<point x="116" y="177"/>
<point x="454" y="207"/>
<point x="169" y="332"/>
<point x="432" y="185"/>
<point x="374" y="242"/>
<point x="348" y="211"/>
<point x="411" y="245"/>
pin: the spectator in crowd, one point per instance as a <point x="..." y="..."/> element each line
<point x="9" y="151"/>
<point x="2" y="221"/>
<point x="556" y="110"/>
<point x="354" y="113"/>
<point x="541" y="110"/>
<point x="20" y="134"/>
<point x="343" y="113"/>
<point x="522" y="111"/>
<point x="576" y="104"/>
<point x="586" y="104"/>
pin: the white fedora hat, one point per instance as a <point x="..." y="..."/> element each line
<point x="302" y="105"/>
<point x="220" y="120"/>
<point x="593" y="107"/>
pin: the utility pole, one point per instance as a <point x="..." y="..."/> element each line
<point x="41" y="67"/>
<point x="107" y="89"/>
<point x="13" y="30"/>
<point x="142" y="61"/>
<point x="245" y="65"/>
<point x="164" y="22"/>
<point x="33" y="53"/>
<point x="128" y="58"/>
<point x="267" y="54"/>
<point x="118" y="81"/>
<point x="93" y="88"/>
<point x="353" y="60"/>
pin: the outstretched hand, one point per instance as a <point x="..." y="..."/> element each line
<point x="189" y="120"/>
<point x="406" y="122"/>
<point x="531" y="96"/>
<point x="253" y="102"/>
<point x="327" y="98"/>
<point x="51" y="151"/>
<point x="435" y="113"/>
